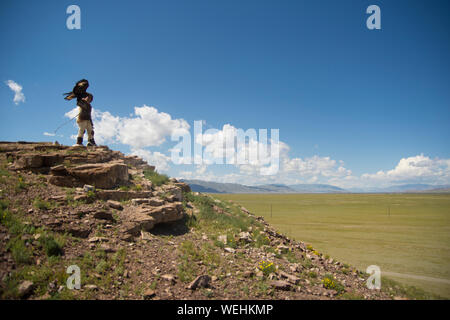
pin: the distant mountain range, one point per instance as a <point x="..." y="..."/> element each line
<point x="217" y="187"/>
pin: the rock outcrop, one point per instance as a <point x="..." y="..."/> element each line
<point x="106" y="175"/>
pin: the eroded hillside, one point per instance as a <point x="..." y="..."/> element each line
<point x="136" y="234"/>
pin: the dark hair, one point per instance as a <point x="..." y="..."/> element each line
<point x="79" y="91"/>
<point x="80" y="87"/>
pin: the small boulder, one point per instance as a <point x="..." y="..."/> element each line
<point x="25" y="288"/>
<point x="230" y="250"/>
<point x="200" y="282"/>
<point x="149" y="294"/>
<point x="169" y="278"/>
<point x="103" y="215"/>
<point x="245" y="236"/>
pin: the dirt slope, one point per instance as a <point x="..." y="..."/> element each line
<point x="136" y="234"/>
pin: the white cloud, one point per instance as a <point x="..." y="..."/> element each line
<point x="314" y="166"/>
<point x="220" y="147"/>
<point x="263" y="168"/>
<point x="17" y="88"/>
<point x="49" y="134"/>
<point x="416" y="169"/>
<point x="72" y="113"/>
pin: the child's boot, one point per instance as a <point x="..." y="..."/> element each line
<point x="91" y="143"/>
<point x="79" y="141"/>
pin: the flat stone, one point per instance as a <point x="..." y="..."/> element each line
<point x="290" y="278"/>
<point x="230" y="250"/>
<point x="167" y="213"/>
<point x="98" y="239"/>
<point x="101" y="175"/>
<point x="280" y="285"/>
<point x="59" y="170"/>
<point x="114" y="204"/>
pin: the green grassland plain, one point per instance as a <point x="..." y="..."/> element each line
<point x="406" y="235"/>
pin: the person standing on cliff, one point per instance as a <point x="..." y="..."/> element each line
<point x="84" y="119"/>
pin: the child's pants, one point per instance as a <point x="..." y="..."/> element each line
<point x="85" y="125"/>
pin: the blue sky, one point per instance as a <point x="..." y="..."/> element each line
<point x="342" y="96"/>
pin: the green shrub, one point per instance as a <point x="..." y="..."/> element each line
<point x="41" y="204"/>
<point x="261" y="240"/>
<point x="14" y="225"/>
<point x="51" y="246"/>
<point x="156" y="178"/>
<point x="4" y="204"/>
<point x="91" y="195"/>
<point x="236" y="221"/>
<point x="102" y="266"/>
<point x="21" y="185"/>
<point x="21" y="254"/>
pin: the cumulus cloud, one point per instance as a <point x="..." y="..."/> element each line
<point x="416" y="169"/>
<point x="261" y="163"/>
<point x="315" y="166"/>
<point x="17" y="89"/>
<point x="245" y="149"/>
<point x="146" y="128"/>
<point x="314" y="169"/>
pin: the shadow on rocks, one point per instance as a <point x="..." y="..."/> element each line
<point x="176" y="228"/>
